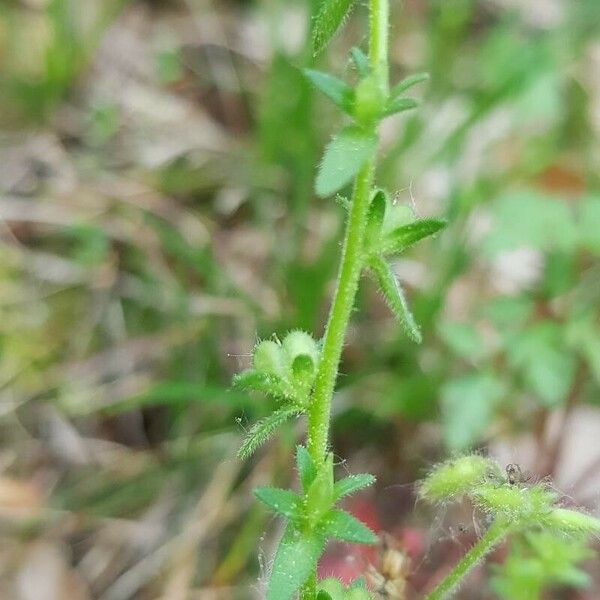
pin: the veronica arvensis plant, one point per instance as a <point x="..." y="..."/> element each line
<point x="300" y="372"/>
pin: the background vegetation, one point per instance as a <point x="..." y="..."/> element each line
<point x="157" y="162"/>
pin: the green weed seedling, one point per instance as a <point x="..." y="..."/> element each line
<point x="300" y="372"/>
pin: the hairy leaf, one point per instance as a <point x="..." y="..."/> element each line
<point x="261" y="431"/>
<point x="340" y="93"/>
<point x="306" y="467"/>
<point x="407" y="83"/>
<point x="361" y="61"/>
<point x="399" y="105"/>
<point x="283" y="502"/>
<point x="375" y="218"/>
<point x="344" y="156"/>
<point x="328" y="20"/>
<point x="351" y="484"/>
<point x="400" y="239"/>
<point x="295" y="559"/>
<point x="319" y="497"/>
<point x="394" y="296"/>
<point x="251" y="379"/>
<point x="343" y="526"/>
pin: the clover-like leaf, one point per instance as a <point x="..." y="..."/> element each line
<point x="262" y="430"/>
<point x="282" y="502"/>
<point x="340" y="525"/>
<point x="295" y="559"/>
<point x="351" y="484"/>
<point x="344" y="156"/>
<point x="401" y="238"/>
<point x="330" y="17"/>
<point x="339" y="92"/>
<point x="394" y="297"/>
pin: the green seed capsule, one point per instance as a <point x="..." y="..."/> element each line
<point x="268" y="358"/>
<point x="455" y="477"/>
<point x="299" y="343"/>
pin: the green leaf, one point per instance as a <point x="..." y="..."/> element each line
<point x="261" y="431"/>
<point x="547" y="365"/>
<point x="462" y="339"/>
<point x="343" y="526"/>
<point x="319" y="497"/>
<point x="468" y="406"/>
<point x="375" y="218"/>
<point x="282" y="502"/>
<point x="344" y="156"/>
<point x="588" y="222"/>
<point x="400" y="239"/>
<point x="361" y="61"/>
<point x="295" y="559"/>
<point x="306" y="467"/>
<point x="340" y="93"/>
<point x="407" y="83"/>
<point x="394" y="297"/>
<point x="351" y="484"/>
<point x="532" y="220"/>
<point x="328" y="20"/>
<point x="399" y="105"/>
<point x="258" y="381"/>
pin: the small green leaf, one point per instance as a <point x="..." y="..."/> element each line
<point x="468" y="405"/>
<point x="306" y="467"/>
<point x="340" y="93"/>
<point x="323" y="595"/>
<point x="400" y="239"/>
<point x="407" y="83"/>
<point x="261" y="431"/>
<point x="399" y="105"/>
<point x="343" y="526"/>
<point x="295" y="559"/>
<point x="375" y="218"/>
<point x="282" y="502"/>
<point x="351" y="484"/>
<point x="344" y="156"/>
<point x="361" y="61"/>
<point x="319" y="497"/>
<point x="394" y="297"/>
<point x="258" y="381"/>
<point x="328" y="20"/>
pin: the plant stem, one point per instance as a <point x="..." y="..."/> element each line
<point x="351" y="261"/>
<point x="498" y="530"/>
<point x="343" y="301"/>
